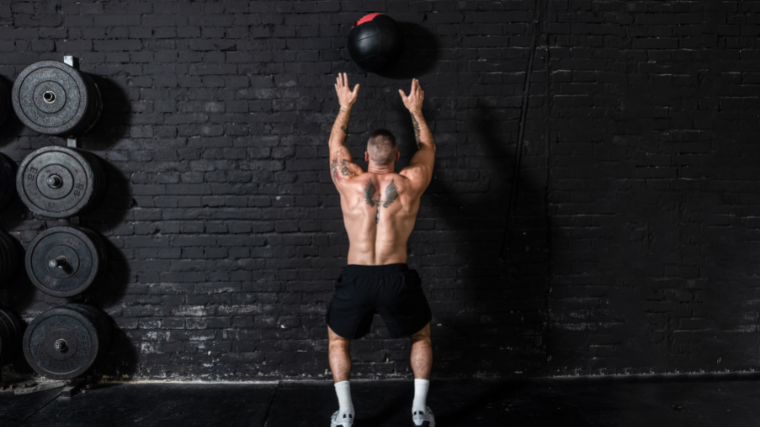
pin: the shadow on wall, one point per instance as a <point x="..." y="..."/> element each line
<point x="491" y="313"/>
<point x="421" y="52"/>
<point x="113" y="125"/>
<point x="12" y="126"/>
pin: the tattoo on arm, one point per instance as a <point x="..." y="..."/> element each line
<point x="369" y="193"/>
<point x="339" y="167"/>
<point x="344" y="129"/>
<point x="416" y="130"/>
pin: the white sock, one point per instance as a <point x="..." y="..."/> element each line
<point x="420" y="394"/>
<point x="343" y="390"/>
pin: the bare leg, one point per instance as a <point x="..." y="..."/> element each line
<point x="422" y="354"/>
<point x="340" y="359"/>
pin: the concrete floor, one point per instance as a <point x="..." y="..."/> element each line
<point x="652" y="401"/>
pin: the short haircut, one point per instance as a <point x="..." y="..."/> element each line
<point x="382" y="147"/>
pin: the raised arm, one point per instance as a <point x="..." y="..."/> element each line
<point x="342" y="166"/>
<point x="420" y="169"/>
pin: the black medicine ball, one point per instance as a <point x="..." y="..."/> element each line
<point x="375" y="42"/>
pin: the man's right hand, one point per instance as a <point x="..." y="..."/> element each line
<point x="413" y="102"/>
<point x="346" y="96"/>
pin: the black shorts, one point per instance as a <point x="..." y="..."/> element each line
<point x="392" y="290"/>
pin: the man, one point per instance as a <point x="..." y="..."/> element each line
<point x="379" y="209"/>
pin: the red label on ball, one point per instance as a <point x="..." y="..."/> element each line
<point x="367" y="18"/>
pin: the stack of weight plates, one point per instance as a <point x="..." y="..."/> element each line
<point x="65" y="341"/>
<point x="54" y="98"/>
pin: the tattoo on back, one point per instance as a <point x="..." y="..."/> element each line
<point x="391" y="194"/>
<point x="369" y="193"/>
<point x="416" y="130"/>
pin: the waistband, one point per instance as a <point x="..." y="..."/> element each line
<point x="374" y="270"/>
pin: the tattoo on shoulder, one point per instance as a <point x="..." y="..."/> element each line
<point x="416" y="130"/>
<point x="369" y="193"/>
<point x="339" y="166"/>
<point x="391" y="194"/>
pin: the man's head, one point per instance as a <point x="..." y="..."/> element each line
<point x="382" y="149"/>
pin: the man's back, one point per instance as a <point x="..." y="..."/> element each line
<point x="379" y="211"/>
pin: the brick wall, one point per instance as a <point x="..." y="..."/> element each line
<point x="631" y="236"/>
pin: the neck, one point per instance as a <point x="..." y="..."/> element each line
<point x="381" y="169"/>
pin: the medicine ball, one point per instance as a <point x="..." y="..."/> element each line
<point x="375" y="42"/>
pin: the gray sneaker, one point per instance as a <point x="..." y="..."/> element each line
<point x="346" y="421"/>
<point x="423" y="418"/>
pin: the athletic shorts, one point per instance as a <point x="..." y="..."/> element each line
<point x="392" y="290"/>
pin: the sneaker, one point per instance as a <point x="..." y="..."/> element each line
<point x="424" y="418"/>
<point x="346" y="421"/>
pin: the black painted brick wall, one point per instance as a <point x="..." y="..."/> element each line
<point x="632" y="239"/>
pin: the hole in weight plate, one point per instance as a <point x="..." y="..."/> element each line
<point x="49" y="97"/>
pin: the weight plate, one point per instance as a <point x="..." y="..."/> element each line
<point x="59" y="182"/>
<point x="65" y="261"/>
<point x="56" y="99"/>
<point x="10" y="336"/>
<point x="5" y="102"/>
<point x="9" y="257"/>
<point x="63" y="342"/>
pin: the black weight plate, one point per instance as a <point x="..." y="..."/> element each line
<point x="65" y="261"/>
<point x="9" y="257"/>
<point x="56" y="99"/>
<point x="5" y="102"/>
<point x="7" y="179"/>
<point x="59" y="182"/>
<point x="10" y="336"/>
<point x="61" y="343"/>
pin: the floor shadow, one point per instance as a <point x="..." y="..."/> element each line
<point x="396" y="405"/>
<point x="421" y="52"/>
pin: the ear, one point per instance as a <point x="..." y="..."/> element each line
<point x="398" y="156"/>
<point x="366" y="156"/>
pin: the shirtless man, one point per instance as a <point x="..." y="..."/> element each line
<point x="379" y="210"/>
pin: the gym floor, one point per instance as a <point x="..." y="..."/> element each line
<point x="686" y="400"/>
